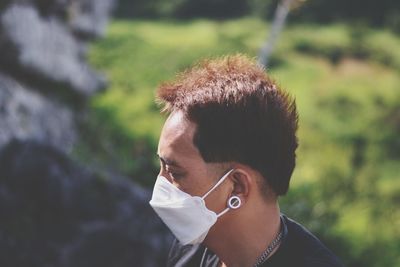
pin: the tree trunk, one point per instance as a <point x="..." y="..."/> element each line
<point x="279" y="21"/>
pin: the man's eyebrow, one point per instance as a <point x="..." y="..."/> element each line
<point x="169" y="161"/>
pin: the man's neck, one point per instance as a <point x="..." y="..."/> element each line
<point x="239" y="241"/>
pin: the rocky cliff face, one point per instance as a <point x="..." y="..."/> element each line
<point x="26" y="114"/>
<point x="54" y="212"/>
<point x="43" y="48"/>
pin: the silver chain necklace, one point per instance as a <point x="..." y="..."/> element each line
<point x="264" y="256"/>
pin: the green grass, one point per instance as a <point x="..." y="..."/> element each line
<point x="347" y="85"/>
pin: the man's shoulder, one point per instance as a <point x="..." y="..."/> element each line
<point x="301" y="248"/>
<point x="298" y="248"/>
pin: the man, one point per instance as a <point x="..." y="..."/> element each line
<point x="227" y="152"/>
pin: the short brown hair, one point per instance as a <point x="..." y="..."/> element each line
<point x="241" y="116"/>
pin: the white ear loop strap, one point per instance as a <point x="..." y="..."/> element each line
<point x="217" y="184"/>
<point x="223" y="212"/>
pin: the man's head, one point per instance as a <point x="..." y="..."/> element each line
<point x="228" y="111"/>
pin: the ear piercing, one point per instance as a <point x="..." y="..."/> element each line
<point x="234" y="202"/>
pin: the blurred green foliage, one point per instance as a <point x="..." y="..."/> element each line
<point x="346" y="185"/>
<point x="369" y="12"/>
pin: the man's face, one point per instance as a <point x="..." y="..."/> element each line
<point x="182" y="164"/>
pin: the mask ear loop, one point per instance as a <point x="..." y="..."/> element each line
<point x="234" y="202"/>
<point x="217" y="184"/>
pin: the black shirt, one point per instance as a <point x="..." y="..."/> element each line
<point x="299" y="248"/>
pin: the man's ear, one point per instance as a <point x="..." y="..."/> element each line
<point x="243" y="183"/>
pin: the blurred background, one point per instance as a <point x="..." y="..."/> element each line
<point x="79" y="126"/>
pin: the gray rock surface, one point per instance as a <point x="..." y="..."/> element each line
<point x="44" y="74"/>
<point x="26" y="114"/>
<point x="46" y="48"/>
<point x="90" y="17"/>
<point x="56" y="213"/>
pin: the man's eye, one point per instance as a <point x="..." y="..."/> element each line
<point x="176" y="175"/>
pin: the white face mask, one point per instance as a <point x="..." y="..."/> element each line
<point x="186" y="216"/>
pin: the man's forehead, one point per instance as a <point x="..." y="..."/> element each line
<point x="178" y="119"/>
<point x="177" y="135"/>
<point x="178" y="126"/>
